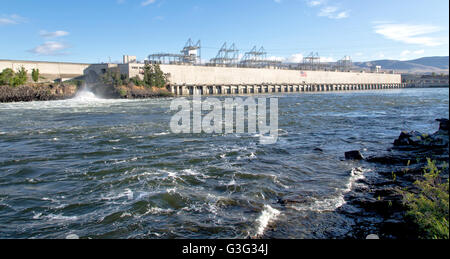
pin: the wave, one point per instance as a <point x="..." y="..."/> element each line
<point x="267" y="216"/>
<point x="333" y="203"/>
<point x="52" y="217"/>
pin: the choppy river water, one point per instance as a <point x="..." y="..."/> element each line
<point x="102" y="168"/>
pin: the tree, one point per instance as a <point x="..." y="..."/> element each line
<point x="35" y="75"/>
<point x="153" y="76"/>
<point x="149" y="77"/>
<point x="137" y="81"/>
<point x="160" y="78"/>
<point x="7" y="76"/>
<point x="113" y="77"/>
<point x="20" y="78"/>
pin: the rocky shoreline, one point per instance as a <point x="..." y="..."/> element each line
<point x="36" y="93"/>
<point x="377" y="205"/>
<point x="53" y="92"/>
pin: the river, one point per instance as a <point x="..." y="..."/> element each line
<point x="100" y="168"/>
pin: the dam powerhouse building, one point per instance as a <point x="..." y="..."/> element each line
<point x="229" y="72"/>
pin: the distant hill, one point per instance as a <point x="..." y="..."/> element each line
<point x="421" y="65"/>
<point x="439" y="62"/>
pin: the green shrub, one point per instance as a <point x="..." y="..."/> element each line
<point x="429" y="208"/>
<point x="11" y="78"/>
<point x="122" y="92"/>
<point x="35" y="75"/>
<point x="20" y="78"/>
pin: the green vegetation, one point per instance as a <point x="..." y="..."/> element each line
<point x="153" y="77"/>
<point x="11" y="78"/>
<point x="6" y="76"/>
<point x="35" y="75"/>
<point x="430" y="208"/>
<point x="79" y="83"/>
<point x="137" y="81"/>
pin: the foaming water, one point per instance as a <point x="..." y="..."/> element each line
<point x="83" y="99"/>
<point x="267" y="216"/>
<point x="108" y="168"/>
<point x="86" y="96"/>
<point x="333" y="203"/>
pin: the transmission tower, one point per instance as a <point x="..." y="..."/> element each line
<point x="226" y="56"/>
<point x="345" y="63"/>
<point x="192" y="52"/>
<point x="312" y="61"/>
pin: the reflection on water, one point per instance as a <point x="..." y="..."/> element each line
<point x="106" y="168"/>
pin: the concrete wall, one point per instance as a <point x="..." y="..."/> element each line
<point x="49" y="70"/>
<point x="200" y="75"/>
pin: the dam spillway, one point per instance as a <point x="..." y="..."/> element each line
<point x="271" y="88"/>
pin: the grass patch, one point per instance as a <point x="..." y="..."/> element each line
<point x="429" y="208"/>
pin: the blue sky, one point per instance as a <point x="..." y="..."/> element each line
<point x="100" y="30"/>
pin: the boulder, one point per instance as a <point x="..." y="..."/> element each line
<point x="353" y="155"/>
<point x="443" y="124"/>
<point x="409" y="138"/>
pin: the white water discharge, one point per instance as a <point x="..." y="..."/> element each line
<point x="83" y="99"/>
<point x="85" y="96"/>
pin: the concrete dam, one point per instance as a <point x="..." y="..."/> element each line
<point x="189" y="80"/>
<point x="199" y="79"/>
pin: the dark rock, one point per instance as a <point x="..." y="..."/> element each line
<point x="36" y="93"/>
<point x="353" y="155"/>
<point x="443" y="124"/>
<point x="381" y="204"/>
<point x="318" y="149"/>
<point x="409" y="138"/>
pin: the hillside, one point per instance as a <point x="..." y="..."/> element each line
<point x="421" y="65"/>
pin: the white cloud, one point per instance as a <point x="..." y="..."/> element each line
<point x="333" y="12"/>
<point x="147" y="2"/>
<point x="326" y="59"/>
<point x="407" y="53"/>
<point x="342" y="15"/>
<point x="410" y="34"/>
<point x="418" y="52"/>
<point x="11" y="19"/>
<point x="315" y="3"/>
<point x="295" y="58"/>
<point x="50" y="48"/>
<point x="327" y="11"/>
<point x="54" y="34"/>
<point x="380" y="55"/>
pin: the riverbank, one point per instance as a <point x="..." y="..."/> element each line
<point x="50" y="92"/>
<point x="382" y="199"/>
<point x="37" y="93"/>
